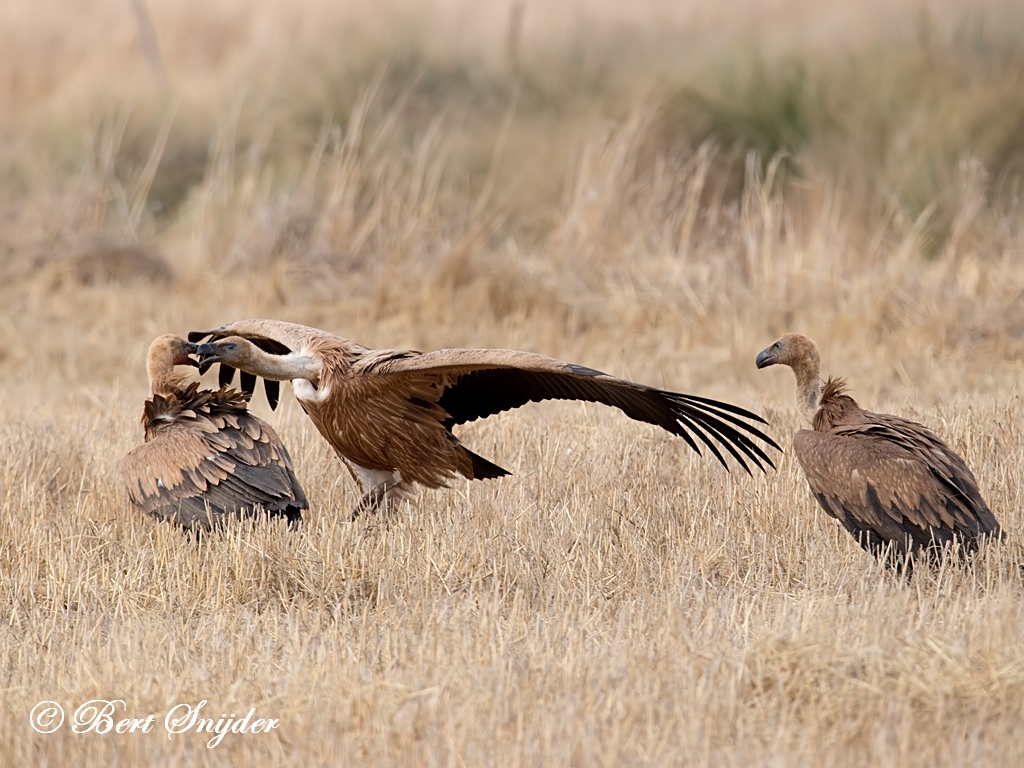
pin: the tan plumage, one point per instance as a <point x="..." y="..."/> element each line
<point x="205" y="457"/>
<point x="389" y="414"/>
<point x="892" y="483"/>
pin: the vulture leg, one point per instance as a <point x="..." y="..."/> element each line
<point x="379" y="497"/>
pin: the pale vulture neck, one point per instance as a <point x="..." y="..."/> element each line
<point x="282" y="367"/>
<point x="162" y="378"/>
<point x="808" y="385"/>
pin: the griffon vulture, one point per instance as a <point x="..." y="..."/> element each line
<point x="892" y="483"/>
<point x="389" y="414"/>
<point x="205" y="457"/>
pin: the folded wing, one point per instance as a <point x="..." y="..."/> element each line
<point x="885" y="487"/>
<point x="198" y="466"/>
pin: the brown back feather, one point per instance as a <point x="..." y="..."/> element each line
<point x="205" y="456"/>
<point x="190" y="404"/>
<point x="889" y="480"/>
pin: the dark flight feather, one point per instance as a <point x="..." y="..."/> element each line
<point x="484" y="392"/>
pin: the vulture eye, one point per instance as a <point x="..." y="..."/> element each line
<point x="777" y="345"/>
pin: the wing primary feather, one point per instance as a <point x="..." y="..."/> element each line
<point x="681" y="430"/>
<point x="248" y="381"/>
<point x="705" y="405"/>
<point x="729" y="438"/>
<point x="725" y="407"/>
<point x="697" y="430"/>
<point x="226" y="375"/>
<point x="273" y="390"/>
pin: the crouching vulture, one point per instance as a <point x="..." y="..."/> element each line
<point x="892" y="483"/>
<point x="389" y="414"/>
<point x="205" y="457"/>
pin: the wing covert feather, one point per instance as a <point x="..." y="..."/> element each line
<point x="192" y="476"/>
<point x="869" y="481"/>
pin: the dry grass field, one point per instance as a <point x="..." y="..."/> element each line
<point x="658" y="192"/>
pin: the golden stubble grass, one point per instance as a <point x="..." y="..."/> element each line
<point x="620" y="600"/>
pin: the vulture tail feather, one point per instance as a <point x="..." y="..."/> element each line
<point x="484" y="469"/>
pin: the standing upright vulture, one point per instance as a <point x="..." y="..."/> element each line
<point x="389" y="414"/>
<point x="892" y="483"/>
<point x="205" y="457"/>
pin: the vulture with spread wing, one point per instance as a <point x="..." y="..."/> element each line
<point x="892" y="483"/>
<point x="389" y="414"/>
<point x="205" y="457"/>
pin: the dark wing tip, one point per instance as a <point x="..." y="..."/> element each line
<point x="727" y="410"/>
<point x="196" y="336"/>
<point x="273" y="390"/>
<point x="735" y="409"/>
<point x="226" y="375"/>
<point x="248" y="381"/>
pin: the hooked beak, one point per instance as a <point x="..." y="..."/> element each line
<point x="765" y="358"/>
<point x="183" y="358"/>
<point x="208" y="353"/>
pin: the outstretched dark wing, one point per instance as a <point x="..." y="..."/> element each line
<point x="470" y="384"/>
<point x="886" y="486"/>
<point x="203" y="463"/>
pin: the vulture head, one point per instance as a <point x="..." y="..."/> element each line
<point x="794" y="350"/>
<point x="233" y="350"/>
<point x="265" y="358"/>
<point x="165" y="352"/>
<point x="170" y="350"/>
<point x="800" y="354"/>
